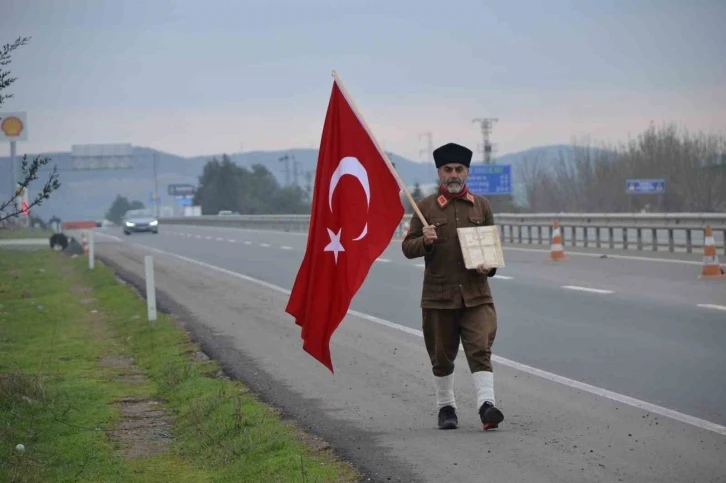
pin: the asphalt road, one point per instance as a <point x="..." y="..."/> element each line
<point x="647" y="329"/>
<point x="377" y="409"/>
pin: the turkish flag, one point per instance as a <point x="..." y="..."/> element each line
<point x="356" y="209"/>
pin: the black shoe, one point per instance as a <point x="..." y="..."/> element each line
<point x="447" y="418"/>
<point x="490" y="416"/>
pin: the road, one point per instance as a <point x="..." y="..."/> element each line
<point x="642" y="329"/>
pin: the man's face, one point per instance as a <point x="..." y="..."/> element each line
<point x="453" y="176"/>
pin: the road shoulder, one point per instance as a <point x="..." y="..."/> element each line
<point x="377" y="410"/>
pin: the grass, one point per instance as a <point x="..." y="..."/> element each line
<point x="78" y="357"/>
<point x="17" y="233"/>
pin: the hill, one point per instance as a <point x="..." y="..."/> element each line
<point x="88" y="194"/>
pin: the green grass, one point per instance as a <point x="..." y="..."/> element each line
<point x="16" y="233"/>
<point x="58" y="324"/>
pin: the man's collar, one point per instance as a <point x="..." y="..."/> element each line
<point x="444" y="200"/>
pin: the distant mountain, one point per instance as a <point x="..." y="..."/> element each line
<point x="89" y="194"/>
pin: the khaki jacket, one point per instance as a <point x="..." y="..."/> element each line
<point x="447" y="283"/>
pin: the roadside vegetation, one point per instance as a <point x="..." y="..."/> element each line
<point x="589" y="178"/>
<point x="15" y="233"/>
<point x="95" y="392"/>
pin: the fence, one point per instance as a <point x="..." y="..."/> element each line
<point x="671" y="231"/>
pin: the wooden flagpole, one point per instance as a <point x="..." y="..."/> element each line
<point x="401" y="184"/>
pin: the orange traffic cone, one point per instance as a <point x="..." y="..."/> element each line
<point x="556" y="251"/>
<point x="711" y="267"/>
<point x="84" y="243"/>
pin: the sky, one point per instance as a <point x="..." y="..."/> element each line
<point x="195" y="77"/>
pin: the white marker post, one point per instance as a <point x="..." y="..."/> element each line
<point x="150" y="289"/>
<point x="91" y="246"/>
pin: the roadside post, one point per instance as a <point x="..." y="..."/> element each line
<point x="150" y="288"/>
<point x="91" y="249"/>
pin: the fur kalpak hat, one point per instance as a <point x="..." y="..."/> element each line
<point x="452" y="153"/>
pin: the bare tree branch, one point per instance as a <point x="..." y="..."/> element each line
<point x="29" y="171"/>
<point x="30" y="174"/>
<point x="5" y="59"/>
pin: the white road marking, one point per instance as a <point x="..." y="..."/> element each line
<point x="207" y="237"/>
<point x="712" y="306"/>
<point x="248" y="243"/>
<point x="110" y="236"/>
<point x="383" y="260"/>
<point x="197" y="236"/>
<point x="220" y="239"/>
<point x="264" y="244"/>
<point x="286" y="248"/>
<point x="586" y="289"/>
<point x="231" y="240"/>
<point x="545" y="248"/>
<point x="422" y="265"/>
<point x="503" y="277"/>
<point x="636" y="403"/>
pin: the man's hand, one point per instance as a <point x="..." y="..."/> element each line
<point x="482" y="270"/>
<point x="429" y="235"/>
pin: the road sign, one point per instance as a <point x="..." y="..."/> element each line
<point x="645" y="186"/>
<point x="490" y="179"/>
<point x="102" y="156"/>
<point x="154" y="197"/>
<point x="13" y="126"/>
<point x="183" y="189"/>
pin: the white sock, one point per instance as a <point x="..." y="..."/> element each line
<point x="445" y="391"/>
<point x="484" y="387"/>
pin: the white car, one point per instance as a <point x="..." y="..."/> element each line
<point x="136" y="221"/>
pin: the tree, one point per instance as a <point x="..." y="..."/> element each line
<point x="120" y="206"/>
<point x="592" y="179"/>
<point x="225" y="186"/>
<point x="29" y="169"/>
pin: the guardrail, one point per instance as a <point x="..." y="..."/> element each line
<point x="610" y="230"/>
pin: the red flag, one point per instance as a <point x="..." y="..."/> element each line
<point x="355" y="211"/>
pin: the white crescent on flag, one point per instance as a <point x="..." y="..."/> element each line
<point x="351" y="166"/>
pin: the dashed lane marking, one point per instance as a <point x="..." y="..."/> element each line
<point x="587" y="289"/>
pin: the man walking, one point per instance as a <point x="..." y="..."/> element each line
<point x="457" y="304"/>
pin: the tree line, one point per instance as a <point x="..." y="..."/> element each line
<point x="592" y="179"/>
<point x="223" y="185"/>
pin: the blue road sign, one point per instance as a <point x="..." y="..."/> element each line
<point x="490" y="179"/>
<point x="645" y="186"/>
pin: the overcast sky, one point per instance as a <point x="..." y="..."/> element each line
<point x="204" y="76"/>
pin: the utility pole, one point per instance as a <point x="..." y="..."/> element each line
<point x="295" y="173"/>
<point x="309" y="185"/>
<point x="286" y="159"/>
<point x="486" y="129"/>
<point x="13" y="180"/>
<point x="429" y="147"/>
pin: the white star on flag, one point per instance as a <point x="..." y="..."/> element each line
<point x="334" y="245"/>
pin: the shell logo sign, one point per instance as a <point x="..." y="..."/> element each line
<point x="13" y="126"/>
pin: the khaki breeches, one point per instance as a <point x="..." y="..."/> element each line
<point x="474" y="327"/>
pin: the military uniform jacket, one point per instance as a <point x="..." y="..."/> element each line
<point x="447" y="283"/>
